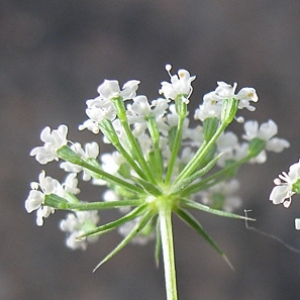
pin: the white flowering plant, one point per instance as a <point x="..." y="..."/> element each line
<point x="160" y="167"/>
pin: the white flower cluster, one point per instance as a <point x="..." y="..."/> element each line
<point x="46" y="186"/>
<point x="212" y="102"/>
<point x="149" y="152"/>
<point x="222" y="196"/>
<point x="75" y="224"/>
<point x="101" y="107"/>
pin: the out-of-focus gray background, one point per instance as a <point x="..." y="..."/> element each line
<point x="54" y="54"/>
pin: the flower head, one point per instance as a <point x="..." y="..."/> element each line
<point x="158" y="167"/>
<point x="285" y="184"/>
<point x="47" y="186"/>
<point x="141" y="110"/>
<point x="110" y="89"/>
<point x="208" y="109"/>
<point x="97" y="110"/>
<point x="226" y="91"/>
<point x="53" y="141"/>
<point x="265" y="132"/>
<point x="36" y="198"/>
<point x="180" y="85"/>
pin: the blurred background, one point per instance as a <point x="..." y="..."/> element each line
<point x="54" y="54"/>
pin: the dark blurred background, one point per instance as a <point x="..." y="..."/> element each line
<point x="54" y="54"/>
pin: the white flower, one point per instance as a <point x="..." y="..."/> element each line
<point x="165" y="150"/>
<point x="70" y="184"/>
<point x="110" y="195"/>
<point x="36" y="198"/>
<point x="208" y="109"/>
<point x="141" y="110"/>
<point x="180" y="85"/>
<point x="139" y="239"/>
<point x="226" y="91"/>
<point x="227" y="144"/>
<point x="121" y="133"/>
<point x="111" y="162"/>
<point x="186" y="155"/>
<point x="53" y="141"/>
<point x="277" y="145"/>
<point x="283" y="191"/>
<point x="97" y="110"/>
<point x="265" y="132"/>
<point x="145" y="143"/>
<point x="76" y="224"/>
<point x="236" y="153"/>
<point x="43" y="212"/>
<point x="46" y="186"/>
<point x="195" y="135"/>
<point x="102" y="108"/>
<point x="221" y="196"/>
<point x="227" y="141"/>
<point x="110" y="89"/>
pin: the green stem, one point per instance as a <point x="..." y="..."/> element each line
<point x="200" y="154"/>
<point x="69" y="155"/>
<point x="58" y="202"/>
<point x="204" y="184"/>
<point x="154" y="133"/>
<point x="165" y="221"/>
<point x="104" y="205"/>
<point x="110" y="133"/>
<point x="175" y="149"/>
<point x="121" y="112"/>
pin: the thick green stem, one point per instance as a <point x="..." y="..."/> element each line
<point x="165" y="221"/>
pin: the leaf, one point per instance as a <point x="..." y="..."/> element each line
<point x="186" y="203"/>
<point x="114" y="224"/>
<point x="181" y="185"/>
<point x="139" y="226"/>
<point x="192" y="222"/>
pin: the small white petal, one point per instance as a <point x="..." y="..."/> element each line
<point x="34" y="200"/>
<point x="297" y="223"/>
<point x="279" y="194"/>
